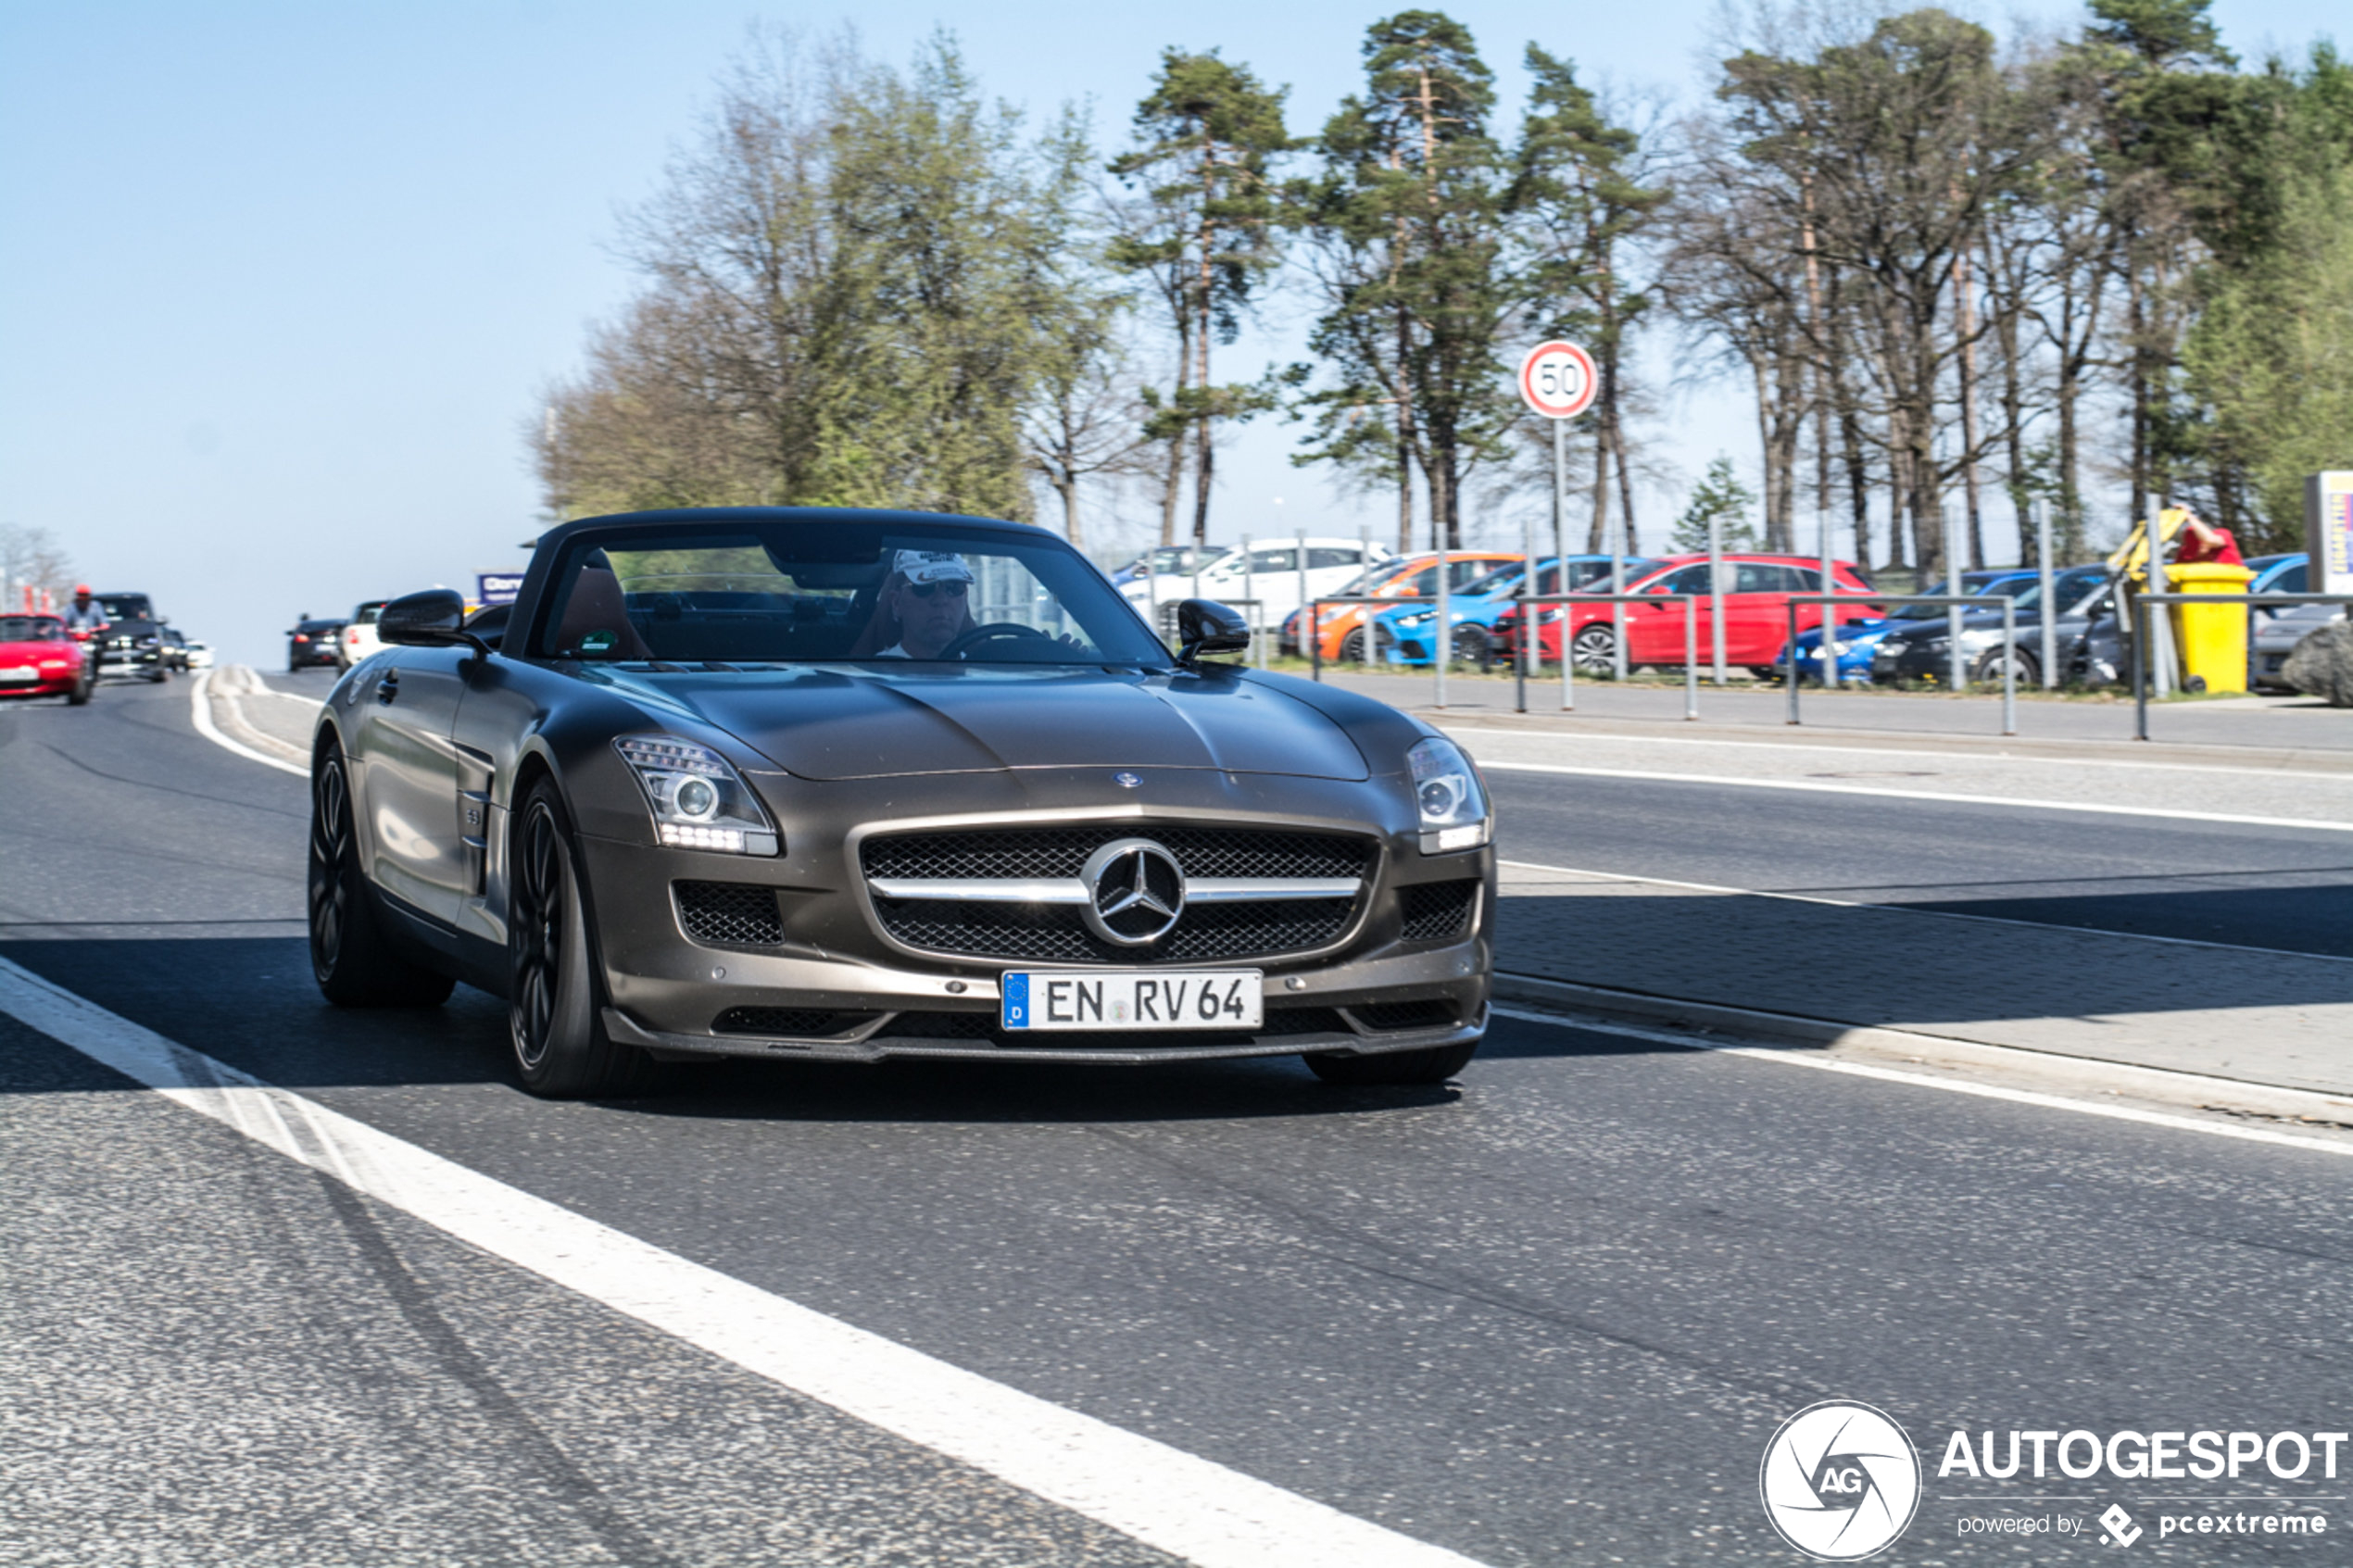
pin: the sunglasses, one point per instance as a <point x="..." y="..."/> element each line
<point x="926" y="590"/>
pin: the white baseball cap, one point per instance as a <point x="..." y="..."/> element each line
<point x="932" y="566"/>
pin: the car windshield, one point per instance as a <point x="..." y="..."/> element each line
<point x="126" y="607"/>
<point x="2068" y="590"/>
<point x="30" y="629"/>
<point x="802" y="592"/>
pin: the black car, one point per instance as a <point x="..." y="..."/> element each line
<point x="313" y="643"/>
<point x="852" y="786"/>
<point x="133" y="643"/>
<point x="1919" y="649"/>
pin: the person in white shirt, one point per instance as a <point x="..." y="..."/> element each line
<point x="927" y="597"/>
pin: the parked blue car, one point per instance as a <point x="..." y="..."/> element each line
<point x="1407" y="633"/>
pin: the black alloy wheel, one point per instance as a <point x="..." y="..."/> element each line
<point x="1594" y="648"/>
<point x="1434" y="1065"/>
<point x="1473" y="645"/>
<point x="355" y="965"/>
<point x="554" y="1017"/>
<point x="1351" y="647"/>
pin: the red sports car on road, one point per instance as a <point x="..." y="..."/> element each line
<point x="37" y="659"/>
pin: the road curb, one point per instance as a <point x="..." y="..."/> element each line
<point x="2100" y="1075"/>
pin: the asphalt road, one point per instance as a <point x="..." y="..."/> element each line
<point x="1549" y="1316"/>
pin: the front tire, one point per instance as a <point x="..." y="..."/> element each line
<point x="1473" y="647"/>
<point x="554" y="1021"/>
<point x="1989" y="668"/>
<point x="1594" y="648"/>
<point x="84" y="684"/>
<point x="1433" y="1066"/>
<point x="354" y="964"/>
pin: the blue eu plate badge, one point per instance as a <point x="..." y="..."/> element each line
<point x="1014" y="1011"/>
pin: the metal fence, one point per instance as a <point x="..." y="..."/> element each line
<point x="1953" y="642"/>
<point x="2141" y="667"/>
<point x="1527" y="641"/>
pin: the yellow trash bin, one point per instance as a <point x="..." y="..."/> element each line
<point x="2212" y="637"/>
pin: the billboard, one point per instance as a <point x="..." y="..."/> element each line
<point x="2327" y="531"/>
<point x="496" y="587"/>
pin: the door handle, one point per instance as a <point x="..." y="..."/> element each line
<point x="388" y="688"/>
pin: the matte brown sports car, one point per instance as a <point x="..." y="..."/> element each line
<point x="851" y="785"/>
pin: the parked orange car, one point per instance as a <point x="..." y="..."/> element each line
<point x="1340" y="628"/>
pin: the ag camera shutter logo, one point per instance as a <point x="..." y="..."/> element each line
<point x="1839" y="1481"/>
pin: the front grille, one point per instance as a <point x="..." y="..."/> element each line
<point x="1282" y="1022"/>
<point x="1020" y="852"/>
<point x="1056" y="934"/>
<point x="1434" y="1013"/>
<point x="807" y="1023"/>
<point x="729" y="914"/>
<point x="1436" y="911"/>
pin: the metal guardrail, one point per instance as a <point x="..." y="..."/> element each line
<point x="2141" y="671"/>
<point x="1528" y="639"/>
<point x="1951" y="601"/>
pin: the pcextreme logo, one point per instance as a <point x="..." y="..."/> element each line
<point x="1839" y="1481"/>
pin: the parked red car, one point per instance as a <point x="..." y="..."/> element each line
<point x="37" y="659"/>
<point x="1756" y="613"/>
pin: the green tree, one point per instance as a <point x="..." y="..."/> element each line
<point x="1411" y="215"/>
<point x="858" y="281"/>
<point x="1720" y="498"/>
<point x="2270" y="357"/>
<point x="1205" y="236"/>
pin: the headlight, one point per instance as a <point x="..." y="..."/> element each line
<point x="1452" y="802"/>
<point x="697" y="801"/>
<point x="1417" y="619"/>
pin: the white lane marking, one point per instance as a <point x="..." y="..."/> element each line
<point x="200" y="709"/>
<point x="1983" y="1091"/>
<point x="1809" y="748"/>
<point x="1189" y="1507"/>
<point x="2096" y="808"/>
<point x="1925" y="914"/>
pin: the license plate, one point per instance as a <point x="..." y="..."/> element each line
<point x="1051" y="999"/>
<point x="16" y="676"/>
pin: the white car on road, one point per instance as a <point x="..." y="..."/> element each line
<point x="358" y="639"/>
<point x="1272" y="577"/>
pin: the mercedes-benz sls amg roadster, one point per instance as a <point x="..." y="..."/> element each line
<point x="854" y="785"/>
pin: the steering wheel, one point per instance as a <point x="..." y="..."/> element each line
<point x="994" y="632"/>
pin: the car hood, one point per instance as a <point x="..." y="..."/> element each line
<point x="853" y="723"/>
<point x="23" y="653"/>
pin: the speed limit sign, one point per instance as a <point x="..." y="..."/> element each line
<point x="1557" y="380"/>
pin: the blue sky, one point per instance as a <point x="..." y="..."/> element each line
<point x="280" y="282"/>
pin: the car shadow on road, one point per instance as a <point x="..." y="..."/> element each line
<point x="250" y="1002"/>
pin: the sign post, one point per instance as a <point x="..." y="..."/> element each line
<point x="1558" y="381"/>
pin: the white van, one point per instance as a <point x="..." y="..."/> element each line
<point x="1272" y="577"/>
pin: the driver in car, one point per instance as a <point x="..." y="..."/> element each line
<point x="926" y="600"/>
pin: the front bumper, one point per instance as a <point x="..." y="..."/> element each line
<point x="837" y="988"/>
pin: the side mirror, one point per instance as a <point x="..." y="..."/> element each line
<point x="1206" y="626"/>
<point x="431" y="620"/>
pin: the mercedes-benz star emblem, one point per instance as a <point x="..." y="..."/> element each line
<point x="1127" y="781"/>
<point x="1135" y="892"/>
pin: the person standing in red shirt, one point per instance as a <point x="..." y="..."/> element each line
<point x="2201" y="541"/>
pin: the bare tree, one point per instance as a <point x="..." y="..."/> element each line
<point x="31" y="557"/>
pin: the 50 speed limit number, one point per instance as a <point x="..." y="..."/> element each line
<point x="1557" y="380"/>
